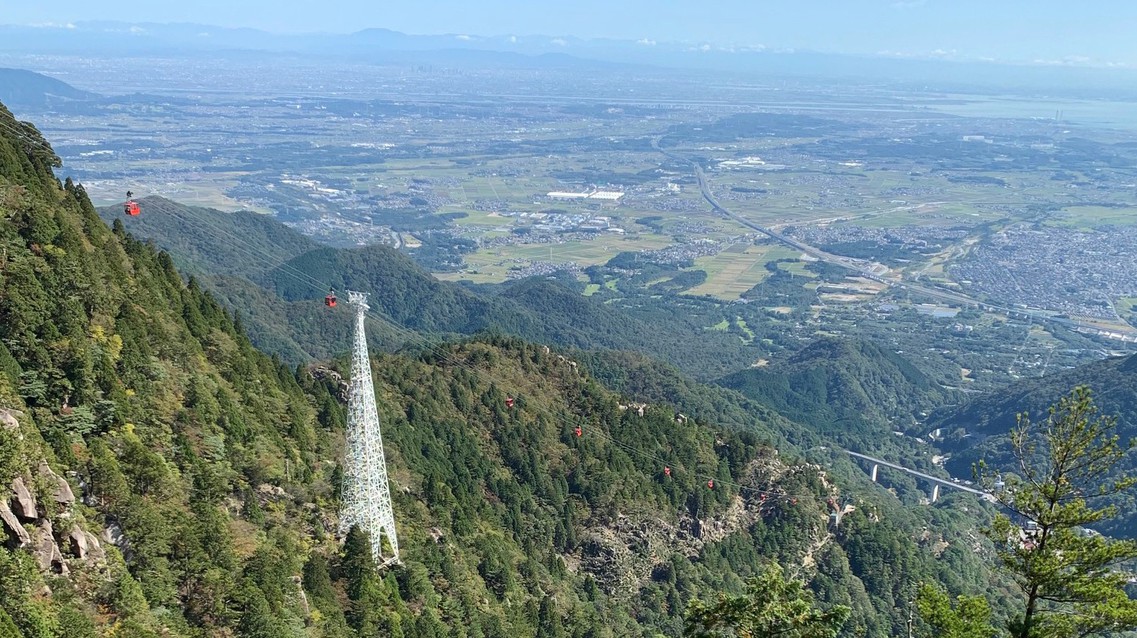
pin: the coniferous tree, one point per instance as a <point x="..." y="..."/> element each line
<point x="549" y="623"/>
<point x="8" y="628"/>
<point x="1069" y="575"/>
<point x="773" y="606"/>
<point x="969" y="617"/>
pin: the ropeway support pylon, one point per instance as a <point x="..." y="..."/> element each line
<point x="366" y="493"/>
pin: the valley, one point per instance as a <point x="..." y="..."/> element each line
<point x="636" y="334"/>
<point x="485" y="192"/>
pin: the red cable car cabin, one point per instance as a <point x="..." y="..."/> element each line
<point x="131" y="208"/>
<point x="330" y="300"/>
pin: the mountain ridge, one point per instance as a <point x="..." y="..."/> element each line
<point x="117" y="38"/>
<point x="979" y="428"/>
<point x="219" y="246"/>
<point x="840" y="384"/>
<point x="24" y="89"/>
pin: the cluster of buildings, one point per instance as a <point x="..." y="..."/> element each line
<point x="1076" y="273"/>
<point x="913" y="238"/>
<point x="593" y="196"/>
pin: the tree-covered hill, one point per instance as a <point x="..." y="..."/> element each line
<point x="205" y="240"/>
<point x="22" y="89"/>
<point x="848" y="389"/>
<point x="225" y="248"/>
<point x="167" y="479"/>
<point x="979" y="428"/>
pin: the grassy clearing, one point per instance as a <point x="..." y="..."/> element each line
<point x="729" y="274"/>
<point x="477" y="278"/>
<point x="721" y="326"/>
<point x="797" y="269"/>
<point x="1088" y="217"/>
<point x="494" y="264"/>
<point x="1125" y="305"/>
<point x="591" y="289"/>
<point x="749" y="334"/>
<point x="481" y="218"/>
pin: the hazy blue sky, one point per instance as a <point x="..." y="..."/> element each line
<point x="1022" y="30"/>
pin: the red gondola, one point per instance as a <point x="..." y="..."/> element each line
<point x="130" y="207"/>
<point x="667" y="471"/>
<point x="578" y="431"/>
<point x="711" y="484"/>
<point x="509" y="402"/>
<point x="330" y="300"/>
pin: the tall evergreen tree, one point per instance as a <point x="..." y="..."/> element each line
<point x="1069" y="575"/>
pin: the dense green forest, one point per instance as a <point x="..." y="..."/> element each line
<point x="850" y="389"/>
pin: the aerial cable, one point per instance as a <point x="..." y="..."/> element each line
<point x="438" y="350"/>
<point x="412" y="337"/>
<point x="25" y="137"/>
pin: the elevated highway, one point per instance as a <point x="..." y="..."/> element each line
<point x="863" y="268"/>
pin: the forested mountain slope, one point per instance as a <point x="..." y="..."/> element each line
<point x="167" y="479"/>
<point x="979" y="428"/>
<point x="848" y="389"/>
<point x="208" y="241"/>
<point x="229" y="250"/>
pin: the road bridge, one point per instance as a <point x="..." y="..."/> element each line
<point x="936" y="481"/>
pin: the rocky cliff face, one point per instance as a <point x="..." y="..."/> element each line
<point x="38" y="513"/>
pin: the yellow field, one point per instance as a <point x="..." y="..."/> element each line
<point x="730" y="273"/>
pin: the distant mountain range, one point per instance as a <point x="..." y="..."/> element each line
<point x="385" y="46"/>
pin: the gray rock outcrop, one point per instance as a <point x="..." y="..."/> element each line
<point x="23" y="503"/>
<point x="61" y="490"/>
<point x="46" y="550"/>
<point x="15" y="534"/>
<point x="8" y="419"/>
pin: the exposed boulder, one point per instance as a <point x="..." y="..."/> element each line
<point x="14" y="531"/>
<point x="46" y="550"/>
<point x="114" y="535"/>
<point x="8" y="419"/>
<point x="270" y="491"/>
<point x="77" y="543"/>
<point x="95" y="552"/>
<point x="23" y="503"/>
<point x="61" y="489"/>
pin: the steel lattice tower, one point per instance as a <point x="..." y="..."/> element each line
<point x="366" y="494"/>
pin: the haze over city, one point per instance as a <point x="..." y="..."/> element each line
<point x="1040" y="32"/>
